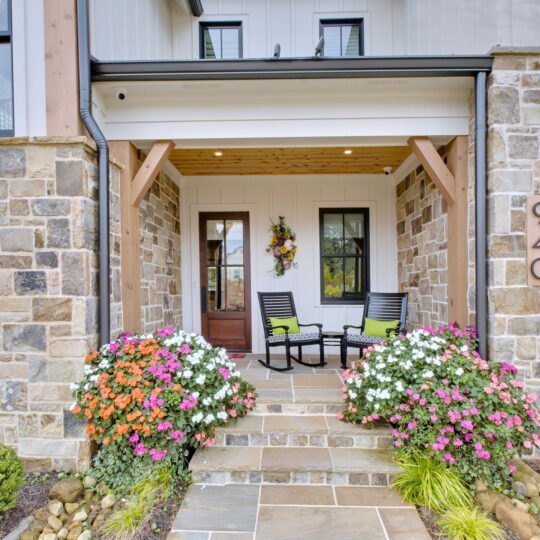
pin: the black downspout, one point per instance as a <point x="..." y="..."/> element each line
<point x="481" y="216"/>
<point x="85" y="96"/>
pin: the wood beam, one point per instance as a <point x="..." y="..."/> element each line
<point x="149" y="170"/>
<point x="130" y="265"/>
<point x="61" y="70"/>
<point x="458" y="235"/>
<point x="434" y="165"/>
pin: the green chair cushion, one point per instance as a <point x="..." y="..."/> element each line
<point x="291" y="322"/>
<point x="373" y="327"/>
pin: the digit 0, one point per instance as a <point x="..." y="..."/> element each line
<point x="535" y="268"/>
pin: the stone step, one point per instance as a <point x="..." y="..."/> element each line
<point x="279" y="465"/>
<point x="300" y="431"/>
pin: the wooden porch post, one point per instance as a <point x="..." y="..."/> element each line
<point x="452" y="181"/>
<point x="134" y="184"/>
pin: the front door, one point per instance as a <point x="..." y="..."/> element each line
<point x="225" y="279"/>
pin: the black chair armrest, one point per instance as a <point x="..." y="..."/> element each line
<point x="402" y="331"/>
<point x="318" y="325"/>
<point x="390" y="330"/>
<point x="347" y="326"/>
<point x="286" y="328"/>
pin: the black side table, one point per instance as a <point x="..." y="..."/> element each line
<point x="332" y="337"/>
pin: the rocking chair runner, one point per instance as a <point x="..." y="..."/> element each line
<point x="281" y="305"/>
<point x="381" y="307"/>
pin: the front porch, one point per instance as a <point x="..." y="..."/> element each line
<point x="293" y="470"/>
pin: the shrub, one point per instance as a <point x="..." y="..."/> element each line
<point x="441" y="397"/>
<point x="150" y="399"/>
<point x="430" y="483"/>
<point x="469" y="524"/>
<point x="11" y="478"/>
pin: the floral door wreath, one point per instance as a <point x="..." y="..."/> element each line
<point x="282" y="247"/>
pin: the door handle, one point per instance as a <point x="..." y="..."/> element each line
<point x="203" y="299"/>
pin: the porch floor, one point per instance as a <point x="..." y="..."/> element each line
<point x="292" y="470"/>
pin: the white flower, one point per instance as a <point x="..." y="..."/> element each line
<point x="427" y="374"/>
<point x="197" y="418"/>
<point x="187" y="373"/>
<point x="222" y="415"/>
<point x="209" y="418"/>
<point x="73" y="386"/>
<point x="200" y="379"/>
<point x="459" y="371"/>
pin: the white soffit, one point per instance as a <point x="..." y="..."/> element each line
<point x="315" y="111"/>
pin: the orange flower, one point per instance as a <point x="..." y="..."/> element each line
<point x="132" y="415"/>
<point x="76" y="409"/>
<point x="106" y="441"/>
<point x="91" y="356"/>
<point x="121" y="429"/>
<point x="90" y="429"/>
<point x="88" y="413"/>
<point x="138" y="394"/>
<point x="146" y="429"/>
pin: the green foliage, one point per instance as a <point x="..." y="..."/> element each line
<point x="11" y="478"/>
<point x="469" y="524"/>
<point x="124" y="523"/>
<point x="430" y="483"/>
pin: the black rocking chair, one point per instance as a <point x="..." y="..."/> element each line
<point x="381" y="307"/>
<point x="281" y="305"/>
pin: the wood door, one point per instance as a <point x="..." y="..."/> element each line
<point x="225" y="279"/>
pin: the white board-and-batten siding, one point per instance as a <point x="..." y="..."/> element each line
<point x="297" y="198"/>
<point x="165" y="29"/>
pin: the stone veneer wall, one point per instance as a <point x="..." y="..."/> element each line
<point x="161" y="299"/>
<point x="513" y="173"/>
<point x="422" y="249"/>
<point x="48" y="293"/>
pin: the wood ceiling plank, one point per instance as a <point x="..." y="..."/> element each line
<point x="281" y="161"/>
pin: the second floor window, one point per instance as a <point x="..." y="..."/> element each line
<point x="221" y="40"/>
<point x="6" y="77"/>
<point x="343" y="37"/>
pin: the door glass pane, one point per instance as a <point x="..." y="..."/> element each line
<point x="354" y="234"/>
<point x="333" y="277"/>
<point x="214" y="242"/>
<point x="235" y="288"/>
<point x="332" y="40"/>
<point x="230" y="43"/>
<point x="4" y="23"/>
<point x="354" y="285"/>
<point x="212" y="43"/>
<point x="333" y="233"/>
<point x="349" y="40"/>
<point x="234" y="230"/>
<point x="217" y="288"/>
<point x="6" y="88"/>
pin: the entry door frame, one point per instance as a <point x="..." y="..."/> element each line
<point x="244" y="215"/>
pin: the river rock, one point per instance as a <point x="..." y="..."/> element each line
<point x="488" y="499"/>
<point x="80" y="516"/>
<point x="67" y="490"/>
<point x="41" y="515"/>
<point x="74" y="533"/>
<point x="520" y="505"/>
<point x="531" y="490"/>
<point x="49" y="536"/>
<point x="55" y="508"/>
<point x="86" y="535"/>
<point x="108" y="501"/>
<point x="54" y="523"/>
<point x="89" y="482"/>
<point x="62" y="533"/>
<point x="515" y="519"/>
<point x="27" y="535"/>
<point x="37" y="525"/>
<point x="71" y="507"/>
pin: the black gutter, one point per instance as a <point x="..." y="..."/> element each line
<point x="291" y="68"/>
<point x="196" y="7"/>
<point x="85" y="109"/>
<point x="480" y="92"/>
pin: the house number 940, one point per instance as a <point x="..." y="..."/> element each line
<point x="533" y="240"/>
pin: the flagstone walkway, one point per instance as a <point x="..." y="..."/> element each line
<point x="292" y="470"/>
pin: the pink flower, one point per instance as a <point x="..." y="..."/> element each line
<point x="433" y="418"/>
<point x="458" y="442"/>
<point x="162" y="426"/>
<point x="467" y="424"/>
<point x="233" y="413"/>
<point x="140" y="449"/>
<point x="449" y="458"/>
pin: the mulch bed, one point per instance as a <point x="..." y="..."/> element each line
<point x="32" y="497"/>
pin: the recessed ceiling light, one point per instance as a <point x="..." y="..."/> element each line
<point x="218" y="154"/>
<point x="347" y="152"/>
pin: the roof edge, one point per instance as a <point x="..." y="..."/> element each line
<point x="289" y="68"/>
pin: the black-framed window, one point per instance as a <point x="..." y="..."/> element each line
<point x="220" y="40"/>
<point x="6" y="71"/>
<point x="343" y="37"/>
<point x="344" y="252"/>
